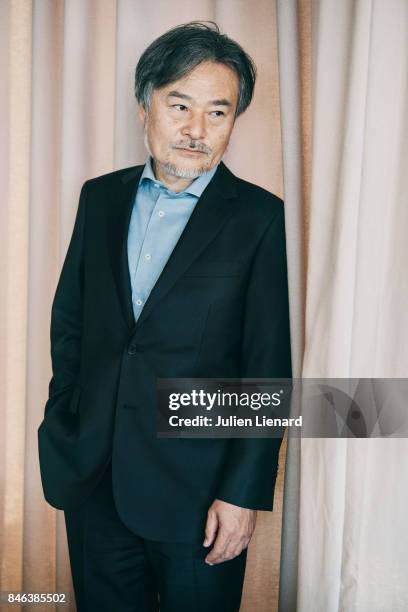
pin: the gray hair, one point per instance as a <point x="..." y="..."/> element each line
<point x="179" y="50"/>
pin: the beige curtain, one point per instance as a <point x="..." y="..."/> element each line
<point x="349" y="497"/>
<point x="67" y="113"/>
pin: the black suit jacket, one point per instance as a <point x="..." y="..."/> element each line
<point x="219" y="309"/>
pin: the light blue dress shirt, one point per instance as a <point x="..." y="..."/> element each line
<point x="158" y="219"/>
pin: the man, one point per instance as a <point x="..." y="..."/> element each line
<point x="175" y="269"/>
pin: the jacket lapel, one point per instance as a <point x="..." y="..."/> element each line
<point x="121" y="197"/>
<point x="212" y="210"/>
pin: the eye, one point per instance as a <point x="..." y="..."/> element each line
<point x="218" y="113"/>
<point x="180" y="107"/>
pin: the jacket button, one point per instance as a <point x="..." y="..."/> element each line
<point x="134" y="348"/>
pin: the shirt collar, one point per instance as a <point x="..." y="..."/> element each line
<point x="195" y="188"/>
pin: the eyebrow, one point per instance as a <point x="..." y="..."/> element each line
<point x="178" y="94"/>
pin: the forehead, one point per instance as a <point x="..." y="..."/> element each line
<point x="207" y="81"/>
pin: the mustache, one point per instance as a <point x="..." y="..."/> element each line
<point x="193" y="146"/>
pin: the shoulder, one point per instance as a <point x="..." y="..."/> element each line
<point x="256" y="201"/>
<point x="259" y="197"/>
<point x="110" y="178"/>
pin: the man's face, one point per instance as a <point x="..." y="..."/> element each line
<point x="189" y="122"/>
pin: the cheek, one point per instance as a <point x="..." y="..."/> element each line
<point x="220" y="140"/>
<point x="158" y="133"/>
<point x="166" y="129"/>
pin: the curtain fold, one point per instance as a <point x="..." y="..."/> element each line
<point x="15" y="232"/>
<point x="293" y="24"/>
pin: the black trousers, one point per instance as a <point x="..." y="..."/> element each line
<point x="115" y="570"/>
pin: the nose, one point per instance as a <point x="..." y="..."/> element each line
<point x="195" y="126"/>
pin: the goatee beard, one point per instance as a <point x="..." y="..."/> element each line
<point x="174" y="170"/>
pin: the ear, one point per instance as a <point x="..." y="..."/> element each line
<point x="141" y="112"/>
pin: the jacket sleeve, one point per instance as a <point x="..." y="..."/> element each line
<point x="252" y="463"/>
<point x="66" y="315"/>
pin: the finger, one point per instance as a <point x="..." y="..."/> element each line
<point x="216" y="555"/>
<point x="210" y="528"/>
<point x="234" y="548"/>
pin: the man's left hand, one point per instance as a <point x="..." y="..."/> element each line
<point x="231" y="527"/>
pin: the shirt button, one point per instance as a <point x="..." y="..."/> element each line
<point x="139" y="302"/>
<point x="148" y="256"/>
<point x="161" y="213"/>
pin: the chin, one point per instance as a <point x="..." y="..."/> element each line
<point x="185" y="168"/>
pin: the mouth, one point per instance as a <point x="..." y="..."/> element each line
<point x="190" y="152"/>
